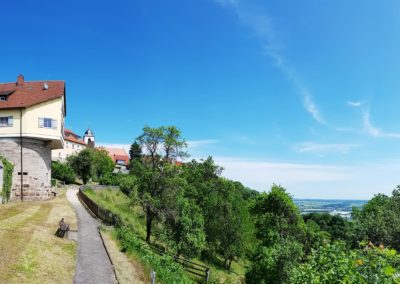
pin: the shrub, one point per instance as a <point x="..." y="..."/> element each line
<point x="62" y="172"/>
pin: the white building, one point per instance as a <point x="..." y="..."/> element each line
<point x="73" y="144"/>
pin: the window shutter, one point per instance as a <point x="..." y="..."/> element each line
<point x="41" y="122"/>
<point x="10" y="121"/>
<point x="54" y="123"/>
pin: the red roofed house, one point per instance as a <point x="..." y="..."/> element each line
<point x="120" y="158"/>
<point x="73" y="145"/>
<point x="31" y="125"/>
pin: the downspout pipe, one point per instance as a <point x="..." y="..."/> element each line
<point x="22" y="165"/>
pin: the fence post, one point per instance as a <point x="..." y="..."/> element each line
<point x="153" y="277"/>
<point x="207" y="274"/>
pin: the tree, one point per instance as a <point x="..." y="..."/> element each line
<point x="228" y="225"/>
<point x="163" y="145"/>
<point x="378" y="221"/>
<point x="135" y="152"/>
<point x="62" y="172"/>
<point x="281" y="232"/>
<point x="82" y="164"/>
<point x="102" y="164"/>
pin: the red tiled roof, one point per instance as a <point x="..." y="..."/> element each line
<point x="75" y="140"/>
<point x="72" y="137"/>
<point x="25" y="94"/>
<point x="117" y="154"/>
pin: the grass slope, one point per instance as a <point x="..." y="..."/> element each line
<point x="29" y="250"/>
<point x="118" y="203"/>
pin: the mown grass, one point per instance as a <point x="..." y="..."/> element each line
<point x="29" y="250"/>
<point x="118" y="203"/>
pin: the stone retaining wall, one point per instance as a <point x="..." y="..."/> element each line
<point x="36" y="155"/>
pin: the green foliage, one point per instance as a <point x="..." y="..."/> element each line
<point x="62" y="172"/>
<point x="102" y="164"/>
<point x="379" y="220"/>
<point x="337" y="227"/>
<point x="8" y="169"/>
<point x="135" y="152"/>
<point x="82" y="164"/>
<point x="167" y="270"/>
<point x="281" y="232"/>
<point x="112" y="179"/>
<point x="335" y="263"/>
<point x="183" y="226"/>
<point x="228" y="226"/>
<point x="128" y="185"/>
<point x="273" y="264"/>
<point x="163" y="145"/>
<point x="91" y="163"/>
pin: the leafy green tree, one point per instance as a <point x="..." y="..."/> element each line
<point x="338" y="227"/>
<point x="228" y="225"/>
<point x="182" y="219"/>
<point x="102" y="164"/>
<point x="274" y="263"/>
<point x="62" y="172"/>
<point x="82" y="164"/>
<point x="379" y="221"/>
<point x="163" y="145"/>
<point x="281" y="232"/>
<point x="135" y="152"/>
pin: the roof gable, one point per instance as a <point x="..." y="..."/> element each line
<point x="26" y="94"/>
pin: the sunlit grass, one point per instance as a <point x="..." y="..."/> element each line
<point x="29" y="250"/>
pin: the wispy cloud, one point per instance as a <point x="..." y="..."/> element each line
<point x="322" y="149"/>
<point x="354" y="104"/>
<point x="375" y="131"/>
<point x="201" y="143"/>
<point x="260" y="23"/>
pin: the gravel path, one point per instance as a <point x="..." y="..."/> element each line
<point x="93" y="264"/>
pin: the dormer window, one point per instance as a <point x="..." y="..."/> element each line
<point x="3" y="98"/>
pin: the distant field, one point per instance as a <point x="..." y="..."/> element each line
<point x="329" y="204"/>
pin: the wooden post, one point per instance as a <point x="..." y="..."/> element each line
<point x="153" y="277"/>
<point x="207" y="274"/>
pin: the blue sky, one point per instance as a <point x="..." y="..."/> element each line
<point x="301" y="93"/>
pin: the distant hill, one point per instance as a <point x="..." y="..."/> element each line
<point x="328" y="205"/>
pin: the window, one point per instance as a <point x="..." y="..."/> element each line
<point x="6" y="121"/>
<point x="3" y="98"/>
<point x="45" y="122"/>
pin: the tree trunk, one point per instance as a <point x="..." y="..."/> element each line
<point x="149" y="220"/>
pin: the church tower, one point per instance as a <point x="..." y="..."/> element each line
<point x="89" y="138"/>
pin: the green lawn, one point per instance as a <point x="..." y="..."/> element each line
<point x="29" y="250"/>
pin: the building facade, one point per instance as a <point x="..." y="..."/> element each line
<point x="31" y="126"/>
<point x="73" y="144"/>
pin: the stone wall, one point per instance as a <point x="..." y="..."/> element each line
<point x="1" y="180"/>
<point x="36" y="155"/>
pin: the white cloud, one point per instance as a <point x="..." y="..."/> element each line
<point x="354" y="104"/>
<point x="261" y="24"/>
<point x="359" y="181"/>
<point x="321" y="149"/>
<point x="375" y="131"/>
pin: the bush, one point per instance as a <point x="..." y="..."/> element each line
<point x="112" y="179"/>
<point x="62" y="172"/>
<point x="128" y="185"/>
<point x="168" y="271"/>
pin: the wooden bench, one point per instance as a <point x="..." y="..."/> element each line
<point x="62" y="228"/>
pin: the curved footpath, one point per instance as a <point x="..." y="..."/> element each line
<point x="93" y="264"/>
